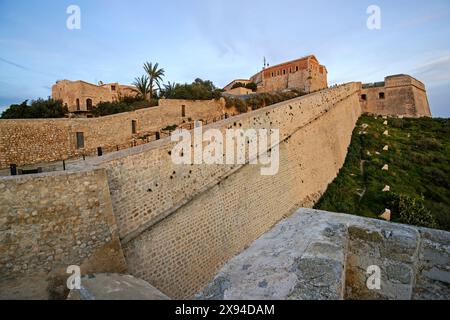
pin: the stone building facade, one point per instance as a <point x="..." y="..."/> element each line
<point x="29" y="141"/>
<point x="305" y="74"/>
<point x="397" y="95"/>
<point x="81" y="97"/>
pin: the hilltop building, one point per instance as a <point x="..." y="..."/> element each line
<point x="81" y="97"/>
<point x="305" y="74"/>
<point x="397" y="95"/>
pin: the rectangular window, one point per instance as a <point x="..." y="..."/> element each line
<point x="364" y="97"/>
<point x="284" y="71"/>
<point x="296" y="68"/>
<point x="113" y="88"/>
<point x="133" y="126"/>
<point x="80" y="140"/>
<point x="183" y="111"/>
<point x="381" y="95"/>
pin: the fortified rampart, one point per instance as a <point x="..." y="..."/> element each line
<point x="178" y="224"/>
<point x="216" y="212"/>
<point x="50" y="222"/>
<point x="398" y="95"/>
<point x="25" y="141"/>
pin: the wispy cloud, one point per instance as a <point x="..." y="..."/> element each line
<point x="435" y="71"/>
<point x="25" y="68"/>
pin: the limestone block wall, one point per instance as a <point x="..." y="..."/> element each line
<point x="71" y="91"/>
<point x="29" y="141"/>
<point x="179" y="224"/>
<point x="403" y="95"/>
<point x="324" y="255"/>
<point x="49" y="222"/>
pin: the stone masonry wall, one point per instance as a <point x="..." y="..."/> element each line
<point x="49" y="222"/>
<point x="403" y="96"/>
<point x="324" y="255"/>
<point x="179" y="224"/>
<point x="25" y="142"/>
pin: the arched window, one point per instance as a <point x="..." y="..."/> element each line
<point x="89" y="104"/>
<point x="78" y="105"/>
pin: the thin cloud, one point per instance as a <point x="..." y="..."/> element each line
<point x="434" y="71"/>
<point x="25" y="68"/>
<point x="424" y="19"/>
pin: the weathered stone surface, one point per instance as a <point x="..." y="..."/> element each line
<point x="322" y="255"/>
<point x="115" y="287"/>
<point x="433" y="277"/>
<point x="300" y="258"/>
<point x="50" y="222"/>
<point x="399" y="95"/>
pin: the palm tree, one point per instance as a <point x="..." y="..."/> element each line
<point x="169" y="89"/>
<point x="142" y="86"/>
<point x="155" y="76"/>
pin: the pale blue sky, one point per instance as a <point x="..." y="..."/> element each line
<point x="220" y="40"/>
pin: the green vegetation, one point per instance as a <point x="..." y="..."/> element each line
<point x="142" y="87"/>
<point x="418" y="175"/>
<point x="170" y="128"/>
<point x="257" y="101"/>
<point x="37" y="109"/>
<point x="197" y="90"/>
<point x="125" y="104"/>
<point x="251" y="86"/>
<point x="155" y="76"/>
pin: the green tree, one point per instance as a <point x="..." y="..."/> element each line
<point x="37" y="109"/>
<point x="251" y="86"/>
<point x="142" y="86"/>
<point x="197" y="90"/>
<point x="169" y="89"/>
<point x="155" y="76"/>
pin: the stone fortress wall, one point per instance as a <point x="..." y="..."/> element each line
<point x="316" y="255"/>
<point x="52" y="221"/>
<point x="30" y="141"/>
<point x="397" y="95"/>
<point x="177" y="224"/>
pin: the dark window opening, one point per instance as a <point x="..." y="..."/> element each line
<point x="78" y="104"/>
<point x="363" y="97"/>
<point x="80" y="140"/>
<point x="381" y="95"/>
<point x="133" y="126"/>
<point x="89" y="104"/>
<point x="183" y="111"/>
<point x="113" y="88"/>
<point x="284" y="71"/>
<point x="296" y="68"/>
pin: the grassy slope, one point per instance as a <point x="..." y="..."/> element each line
<point x="419" y="167"/>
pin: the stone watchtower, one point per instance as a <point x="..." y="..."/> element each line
<point x="397" y="95"/>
